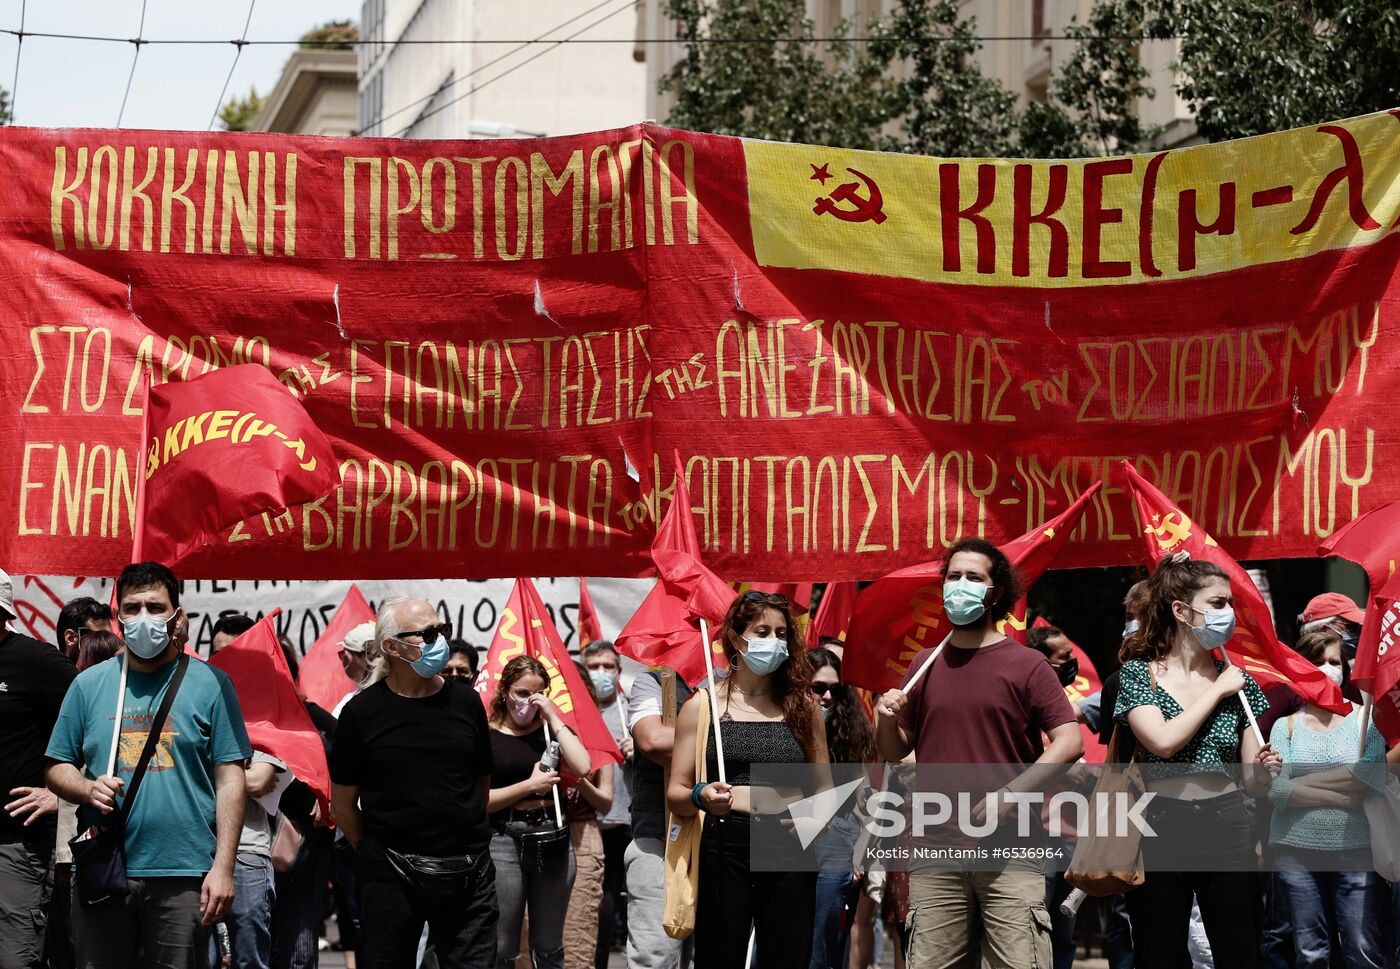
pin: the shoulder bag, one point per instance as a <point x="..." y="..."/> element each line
<point x="99" y="854"/>
<point x="683" y="845"/>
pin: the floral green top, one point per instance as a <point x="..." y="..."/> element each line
<point x="1216" y="744"/>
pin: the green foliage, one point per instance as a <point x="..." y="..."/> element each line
<point x="1244" y="66"/>
<point x="238" y="114"/>
<point x="4" y="106"/>
<point x="332" y="35"/>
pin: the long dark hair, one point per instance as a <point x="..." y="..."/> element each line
<point x="519" y="667"/>
<point x="1174" y="581"/>
<point x="850" y="738"/>
<point x="96" y="646"/>
<point x="792" y="682"/>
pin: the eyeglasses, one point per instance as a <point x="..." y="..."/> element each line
<point x="431" y="632"/>
<point x="520" y="694"/>
<point x="773" y="599"/>
<point x="822" y="689"/>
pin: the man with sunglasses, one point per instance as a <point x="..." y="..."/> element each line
<point x="410" y="770"/>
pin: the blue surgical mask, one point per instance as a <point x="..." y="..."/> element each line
<point x="432" y="658"/>
<point x="604" y="683"/>
<point x="1217" y="629"/>
<point x="964" y="601"/>
<point x="146" y="636"/>
<point x="766" y="655"/>
<point x="1131" y="627"/>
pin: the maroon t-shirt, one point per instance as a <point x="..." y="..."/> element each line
<point x="984" y="706"/>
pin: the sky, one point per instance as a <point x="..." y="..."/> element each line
<point x="70" y="83"/>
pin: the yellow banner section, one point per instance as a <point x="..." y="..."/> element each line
<point x="1130" y="219"/>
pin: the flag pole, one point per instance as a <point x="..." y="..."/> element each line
<point x="714" y="703"/>
<point x="558" y="810"/>
<point x="1248" y="710"/>
<point x="1366" y="702"/>
<point x="914" y="680"/>
<point x="138" y="530"/>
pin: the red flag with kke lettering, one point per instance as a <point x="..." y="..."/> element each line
<point x="1166" y="531"/>
<point x="1086" y="684"/>
<point x="833" y="618"/>
<point x="1377" y="667"/>
<point x="665" y="631"/>
<point x="526" y="630"/>
<point x="322" y="676"/>
<point x="277" y="721"/>
<point x="221" y="448"/>
<point x="590" y="629"/>
<point x="901" y="614"/>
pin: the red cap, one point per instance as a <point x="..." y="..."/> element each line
<point x="1330" y="605"/>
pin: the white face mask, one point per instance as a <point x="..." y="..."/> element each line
<point x="1333" y="673"/>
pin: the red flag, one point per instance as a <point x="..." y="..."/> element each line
<point x="590" y="630"/>
<point x="527" y="630"/>
<point x="901" y="614"/>
<point x="833" y="617"/>
<point x="322" y="676"/>
<point x="1086" y="684"/>
<point x="1166" y="531"/>
<point x="1372" y="541"/>
<point x="1377" y="667"/>
<point x="277" y="721"/>
<point x="221" y="448"/>
<point x="664" y="629"/>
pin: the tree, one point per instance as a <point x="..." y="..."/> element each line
<point x="238" y="114"/>
<point x="332" y="35"/>
<point x="4" y="106"/>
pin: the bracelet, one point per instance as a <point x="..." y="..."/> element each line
<point x="695" y="795"/>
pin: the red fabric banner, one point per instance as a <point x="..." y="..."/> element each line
<point x="322" y="677"/>
<point x="902" y="614"/>
<point x="1255" y="646"/>
<point x="665" y="629"/>
<point x="277" y="721"/>
<point x="863" y="356"/>
<point x="221" y="448"/>
<point x="527" y="630"/>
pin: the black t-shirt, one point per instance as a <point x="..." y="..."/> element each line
<point x="515" y="759"/>
<point x="418" y="764"/>
<point x="34" y="678"/>
<point x="647" y="781"/>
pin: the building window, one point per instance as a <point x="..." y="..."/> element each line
<point x="1037" y="18"/>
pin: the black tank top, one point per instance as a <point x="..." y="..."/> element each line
<point x="748" y="743"/>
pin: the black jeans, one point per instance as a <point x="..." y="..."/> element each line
<point x="779" y="907"/>
<point x="461" y="931"/>
<point x="1230" y="898"/>
<point x="611" y="910"/>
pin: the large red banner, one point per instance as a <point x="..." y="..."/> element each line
<point x="863" y="357"/>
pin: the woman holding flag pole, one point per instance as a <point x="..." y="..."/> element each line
<point x="1197" y="715"/>
<point x="766" y="714"/>
<point x="530" y="839"/>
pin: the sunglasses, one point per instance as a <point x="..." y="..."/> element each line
<point x="822" y="689"/>
<point x="771" y="599"/>
<point x="464" y="675"/>
<point x="431" y="632"/>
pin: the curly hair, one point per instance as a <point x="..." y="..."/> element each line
<point x="850" y="737"/>
<point x="517" y="668"/>
<point x="1174" y="581"/>
<point x="792" y="681"/>
<point x="1002" y="573"/>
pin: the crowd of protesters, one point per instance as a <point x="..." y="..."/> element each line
<point x="469" y="831"/>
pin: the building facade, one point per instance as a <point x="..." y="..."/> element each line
<point x="534" y="68"/>
<point x="316" y="95"/>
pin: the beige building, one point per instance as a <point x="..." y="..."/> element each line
<point x="315" y="95"/>
<point x="1024" y="62"/>
<point x="558" y="83"/>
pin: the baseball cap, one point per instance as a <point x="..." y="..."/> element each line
<point x="358" y="639"/>
<point x="1332" y="604"/>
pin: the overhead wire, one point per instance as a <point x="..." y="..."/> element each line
<point x="474" y="71"/>
<point x="238" y="52"/>
<point x="19" y="50"/>
<point x="135" y="56"/>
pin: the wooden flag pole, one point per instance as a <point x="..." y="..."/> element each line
<point x="714" y="702"/>
<point x="1244" y="700"/>
<point x="914" y="680"/>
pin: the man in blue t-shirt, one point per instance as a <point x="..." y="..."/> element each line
<point x="182" y="830"/>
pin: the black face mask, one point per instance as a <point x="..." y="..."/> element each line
<point x="1068" y="671"/>
<point x="1350" y="638"/>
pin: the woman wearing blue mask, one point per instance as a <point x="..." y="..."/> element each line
<point x="767" y="716"/>
<point x="1186" y="710"/>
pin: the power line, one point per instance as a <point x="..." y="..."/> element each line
<point x="135" y="56"/>
<point x="238" y="52"/>
<point x="19" y="49"/>
<point x="510" y="70"/>
<point x="495" y="60"/>
<point x="485" y="41"/>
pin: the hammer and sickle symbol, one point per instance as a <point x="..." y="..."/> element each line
<point x="865" y="208"/>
